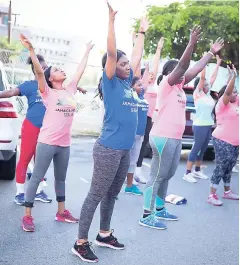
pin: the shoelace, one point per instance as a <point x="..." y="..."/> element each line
<point x="114" y="239"/>
<point x="28" y="219"/>
<point x="88" y="245"/>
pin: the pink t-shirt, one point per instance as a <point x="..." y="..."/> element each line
<point x="57" y="122"/>
<point x="151" y="97"/>
<point x="170" y="119"/>
<point x="227" y="118"/>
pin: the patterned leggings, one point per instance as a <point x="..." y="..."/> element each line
<point x="226" y="158"/>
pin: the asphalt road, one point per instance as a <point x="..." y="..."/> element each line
<point x="205" y="235"/>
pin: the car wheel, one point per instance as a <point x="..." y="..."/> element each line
<point x="8" y="168"/>
<point x="209" y="155"/>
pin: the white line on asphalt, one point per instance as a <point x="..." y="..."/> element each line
<point x="146" y="164"/>
<point x="83" y="180"/>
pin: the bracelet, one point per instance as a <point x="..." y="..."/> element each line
<point x="142" y="32"/>
<point x="211" y="53"/>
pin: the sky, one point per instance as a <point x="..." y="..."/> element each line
<point x="87" y="18"/>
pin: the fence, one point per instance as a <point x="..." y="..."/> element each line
<point x="88" y="112"/>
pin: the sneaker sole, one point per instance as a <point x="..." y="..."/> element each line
<point x="86" y="260"/>
<point x="18" y="203"/>
<point x="26" y="230"/>
<point x="215" y="204"/>
<point x="100" y="244"/>
<point x="158" y="228"/>
<point x="66" y="221"/>
<point x="41" y="200"/>
<point x="189" y="181"/>
<point x="166" y="219"/>
<point x="230" y="199"/>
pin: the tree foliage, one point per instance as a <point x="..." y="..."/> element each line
<point x="217" y="19"/>
<point x="8" y="51"/>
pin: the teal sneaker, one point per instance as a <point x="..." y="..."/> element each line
<point x="133" y="190"/>
<point x="165" y="215"/>
<point x="152" y="222"/>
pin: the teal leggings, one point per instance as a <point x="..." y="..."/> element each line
<point x="166" y="156"/>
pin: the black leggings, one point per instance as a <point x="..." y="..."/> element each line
<point x="145" y="141"/>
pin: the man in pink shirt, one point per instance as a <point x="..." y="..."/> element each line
<point x="168" y="128"/>
<point x="225" y="141"/>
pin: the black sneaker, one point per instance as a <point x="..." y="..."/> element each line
<point x="85" y="252"/>
<point x="109" y="242"/>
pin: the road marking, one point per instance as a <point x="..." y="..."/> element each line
<point x="30" y="165"/>
<point x="83" y="180"/>
<point x="146" y="164"/>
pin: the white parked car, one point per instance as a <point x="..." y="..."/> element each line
<point x="9" y="131"/>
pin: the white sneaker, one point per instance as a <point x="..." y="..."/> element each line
<point x="135" y="182"/>
<point x="189" y="178"/>
<point x="200" y="175"/>
<point x="235" y="169"/>
<point x="139" y="176"/>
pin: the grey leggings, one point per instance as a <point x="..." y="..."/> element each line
<point x="202" y="135"/>
<point x="166" y="156"/>
<point x="109" y="173"/>
<point x="44" y="155"/>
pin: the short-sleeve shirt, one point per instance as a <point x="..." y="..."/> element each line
<point x="170" y="119"/>
<point x="227" y="117"/>
<point x="36" y="109"/>
<point x="60" y="108"/>
<point x="121" y="113"/>
<point x="204" y="104"/>
<point x="151" y="97"/>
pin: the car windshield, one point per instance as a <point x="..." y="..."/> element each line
<point x="189" y="95"/>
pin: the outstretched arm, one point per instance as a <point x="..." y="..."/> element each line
<point x="139" y="45"/>
<point x="37" y="66"/>
<point x="10" y="93"/>
<point x="184" y="62"/>
<point x="82" y="65"/>
<point x="200" y="86"/>
<point x="230" y="87"/>
<point x="215" y="72"/>
<point x="157" y="57"/>
<point x="111" y="62"/>
<point x="229" y="74"/>
<point x="198" y="67"/>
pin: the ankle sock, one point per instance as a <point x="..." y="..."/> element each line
<point x="146" y="215"/>
<point x="188" y="171"/>
<point x="159" y="209"/>
<point x="197" y="169"/>
<point x="104" y="235"/>
<point x="227" y="191"/>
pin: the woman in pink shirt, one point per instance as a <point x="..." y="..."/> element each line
<point x="151" y="97"/>
<point x="168" y="128"/>
<point x="225" y="141"/>
<point x="55" y="135"/>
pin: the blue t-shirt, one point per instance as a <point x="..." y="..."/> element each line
<point x="121" y="113"/>
<point x="142" y="114"/>
<point x="36" y="109"/>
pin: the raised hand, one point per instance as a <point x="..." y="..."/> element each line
<point x="144" y="24"/>
<point x="112" y="13"/>
<point x="195" y="35"/>
<point x="160" y="43"/>
<point x="89" y="45"/>
<point x="234" y="71"/>
<point x="25" y="42"/>
<point x="217" y="46"/>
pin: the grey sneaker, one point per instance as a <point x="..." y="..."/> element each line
<point x="27" y="224"/>
<point x="213" y="199"/>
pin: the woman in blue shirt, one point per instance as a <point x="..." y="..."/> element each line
<point x="111" y="152"/>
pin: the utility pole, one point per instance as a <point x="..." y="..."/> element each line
<point x="9" y="22"/>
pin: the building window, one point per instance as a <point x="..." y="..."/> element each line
<point x="68" y="42"/>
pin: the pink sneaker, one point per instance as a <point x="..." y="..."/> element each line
<point x="230" y="196"/>
<point x="213" y="199"/>
<point x="66" y="217"/>
<point x="27" y="224"/>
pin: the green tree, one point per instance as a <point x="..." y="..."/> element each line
<point x="9" y="51"/>
<point x="217" y="19"/>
